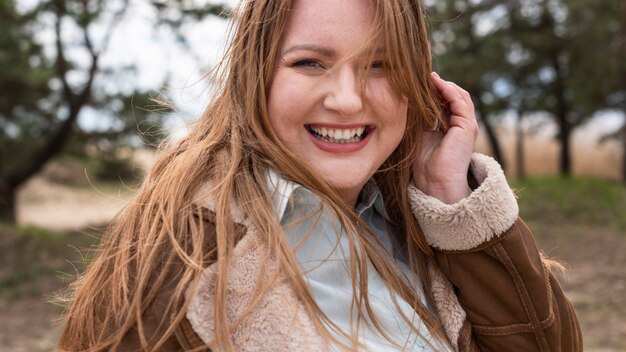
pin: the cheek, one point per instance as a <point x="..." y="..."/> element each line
<point x="401" y="127"/>
<point x="277" y="102"/>
<point x="395" y="111"/>
<point x="291" y="99"/>
<point x="397" y="121"/>
<point x="283" y="113"/>
<point x="380" y="94"/>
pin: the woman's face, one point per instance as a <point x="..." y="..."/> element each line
<point x="317" y="106"/>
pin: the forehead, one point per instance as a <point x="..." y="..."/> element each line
<point x="341" y="24"/>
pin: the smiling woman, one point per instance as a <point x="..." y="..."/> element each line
<point x="337" y="112"/>
<point x="328" y="199"/>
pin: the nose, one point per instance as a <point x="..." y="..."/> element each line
<point x="345" y="94"/>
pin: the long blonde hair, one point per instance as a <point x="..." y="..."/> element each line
<point x="159" y="235"/>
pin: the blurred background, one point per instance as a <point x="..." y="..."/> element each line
<point x="81" y="89"/>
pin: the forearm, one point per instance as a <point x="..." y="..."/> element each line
<point x="511" y="299"/>
<point x="490" y="257"/>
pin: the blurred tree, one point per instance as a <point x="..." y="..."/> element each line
<point x="563" y="58"/>
<point x="23" y="83"/>
<point x="471" y="56"/>
<point x="559" y="40"/>
<point x="614" y="80"/>
<point x="44" y="93"/>
<point x="38" y="124"/>
<point x="619" y="64"/>
<point x="599" y="57"/>
<point x="176" y="13"/>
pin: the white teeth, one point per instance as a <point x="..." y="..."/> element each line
<point x="340" y="136"/>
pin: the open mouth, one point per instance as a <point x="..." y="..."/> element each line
<point x="339" y="135"/>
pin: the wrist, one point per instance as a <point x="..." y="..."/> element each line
<point x="488" y="211"/>
<point x="448" y="193"/>
<point x="451" y="196"/>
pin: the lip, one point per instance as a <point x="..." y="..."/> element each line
<point x="342" y="148"/>
<point x="339" y="126"/>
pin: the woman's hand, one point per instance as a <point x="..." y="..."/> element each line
<point x="440" y="169"/>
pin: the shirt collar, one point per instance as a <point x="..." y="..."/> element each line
<point x="371" y="196"/>
<point x="281" y="191"/>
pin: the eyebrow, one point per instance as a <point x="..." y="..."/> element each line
<point x="323" y="50"/>
<point x="326" y="51"/>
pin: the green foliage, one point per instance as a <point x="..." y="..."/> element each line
<point x="465" y="55"/>
<point x="111" y="167"/>
<point x="532" y="54"/>
<point x="25" y="70"/>
<point x="136" y="120"/>
<point x="24" y="86"/>
<point x="35" y="260"/>
<point x="38" y="95"/>
<point x="44" y="92"/>
<point x="562" y="59"/>
<point x="572" y="200"/>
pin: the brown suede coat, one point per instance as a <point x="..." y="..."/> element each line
<point x="492" y="288"/>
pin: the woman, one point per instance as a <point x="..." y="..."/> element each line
<point x="328" y="199"/>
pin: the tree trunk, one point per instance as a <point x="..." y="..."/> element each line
<point x="623" y="135"/>
<point x="519" y="148"/>
<point x="562" y="112"/>
<point x="7" y="204"/>
<point x="494" y="143"/>
<point x="475" y="89"/>
<point x="565" y="163"/>
<point x="10" y="183"/>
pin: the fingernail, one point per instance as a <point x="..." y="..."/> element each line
<point x="435" y="74"/>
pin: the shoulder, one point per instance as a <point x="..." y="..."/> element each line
<point x="276" y="318"/>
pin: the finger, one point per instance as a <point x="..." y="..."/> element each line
<point x="465" y="94"/>
<point x="448" y="90"/>
<point x="459" y="100"/>
<point x="467" y="124"/>
<point x="451" y="90"/>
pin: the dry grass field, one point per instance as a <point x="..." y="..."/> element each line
<point x="589" y="158"/>
<point x="581" y="221"/>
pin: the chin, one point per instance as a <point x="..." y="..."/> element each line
<point x="348" y="185"/>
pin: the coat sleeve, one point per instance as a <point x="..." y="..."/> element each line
<point x="511" y="300"/>
<point x="156" y="316"/>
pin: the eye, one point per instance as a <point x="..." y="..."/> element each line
<point x="378" y="65"/>
<point x="376" y="68"/>
<point x="307" y="63"/>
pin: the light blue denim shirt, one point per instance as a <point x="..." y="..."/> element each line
<point x="324" y="256"/>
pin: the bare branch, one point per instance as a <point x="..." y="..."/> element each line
<point x="117" y="18"/>
<point x="86" y="37"/>
<point x="61" y="62"/>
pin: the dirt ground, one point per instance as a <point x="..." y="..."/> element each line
<point x="595" y="257"/>
<point x="595" y="282"/>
